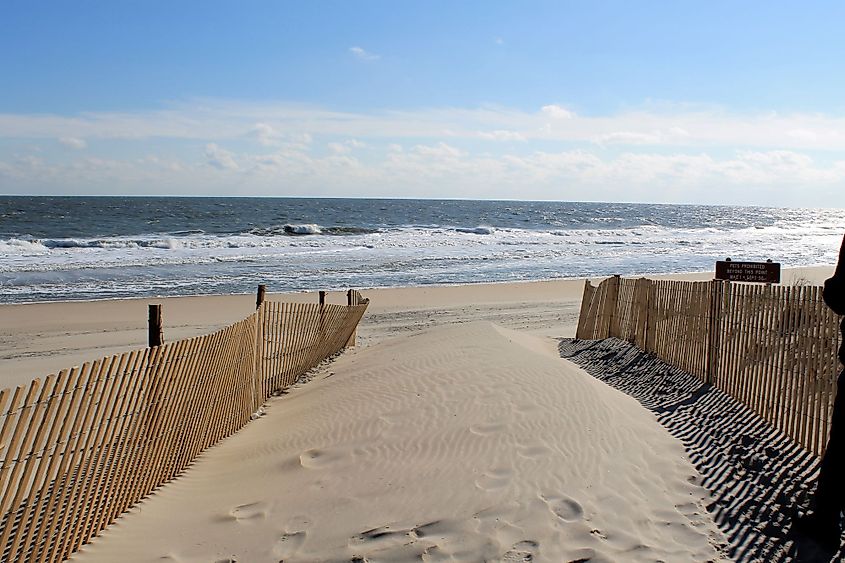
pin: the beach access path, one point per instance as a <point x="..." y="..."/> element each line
<point x="466" y="442"/>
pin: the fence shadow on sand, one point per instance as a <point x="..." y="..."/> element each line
<point x="758" y="478"/>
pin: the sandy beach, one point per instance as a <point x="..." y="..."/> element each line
<point x="454" y="431"/>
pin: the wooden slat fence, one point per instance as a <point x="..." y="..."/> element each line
<point x="80" y="447"/>
<point x="772" y="348"/>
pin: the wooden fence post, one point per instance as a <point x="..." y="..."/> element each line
<point x="586" y="301"/>
<point x="611" y="305"/>
<point x="321" y="328"/>
<point x="259" y="297"/>
<point x="154" y="329"/>
<point x="258" y="364"/>
<point x="353" y="338"/>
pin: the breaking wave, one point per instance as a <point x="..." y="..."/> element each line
<point x="308" y="229"/>
<point x="476" y="230"/>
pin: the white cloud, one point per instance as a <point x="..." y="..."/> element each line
<point x="775" y="177"/>
<point x="218" y="121"/>
<point x="803" y="135"/>
<point x="264" y="134"/>
<point x="678" y="132"/>
<point x="219" y="157"/>
<point x="673" y="135"/>
<point x="345" y="146"/>
<point x="339" y="148"/>
<point x="73" y="143"/>
<point x="300" y="140"/>
<point x="627" y="138"/>
<point x="364" y="55"/>
<point x="502" y="135"/>
<point x="557" y="112"/>
<point x="439" y="151"/>
<point x="681" y="154"/>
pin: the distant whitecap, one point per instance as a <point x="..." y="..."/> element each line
<point x="307" y="229"/>
<point x="476" y="230"/>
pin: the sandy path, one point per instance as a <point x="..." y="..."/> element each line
<point x="468" y="442"/>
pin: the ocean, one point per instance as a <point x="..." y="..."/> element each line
<point x="74" y="248"/>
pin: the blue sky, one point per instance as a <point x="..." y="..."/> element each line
<point x="717" y="102"/>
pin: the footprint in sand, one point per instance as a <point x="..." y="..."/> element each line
<point x="249" y="511"/>
<point x="565" y="508"/>
<point x="532" y="452"/>
<point x="494" y="479"/>
<point x="583" y="556"/>
<point x="381" y="538"/>
<point x="435" y="529"/>
<point x="316" y="459"/>
<point x="288" y="544"/>
<point x="599" y="534"/>
<point x="488" y="428"/>
<point x="523" y="551"/>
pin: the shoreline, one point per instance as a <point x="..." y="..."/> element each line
<point x="40" y="338"/>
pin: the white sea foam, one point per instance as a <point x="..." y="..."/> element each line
<point x="308" y="229"/>
<point x="476" y="230"/>
<point x="205" y="263"/>
<point x="10" y="247"/>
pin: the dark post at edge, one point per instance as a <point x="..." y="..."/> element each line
<point x="349" y="297"/>
<point x="322" y="298"/>
<point x="155" y="336"/>
<point x="259" y="297"/>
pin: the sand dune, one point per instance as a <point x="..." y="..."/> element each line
<point x="466" y="442"/>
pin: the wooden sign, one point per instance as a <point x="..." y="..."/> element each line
<point x="760" y="272"/>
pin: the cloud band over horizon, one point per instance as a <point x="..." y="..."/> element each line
<point x="671" y="153"/>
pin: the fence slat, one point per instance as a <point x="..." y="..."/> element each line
<point x="136" y="372"/>
<point x="56" y="402"/>
<point x="77" y="379"/>
<point x="86" y="475"/>
<point x="122" y="383"/>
